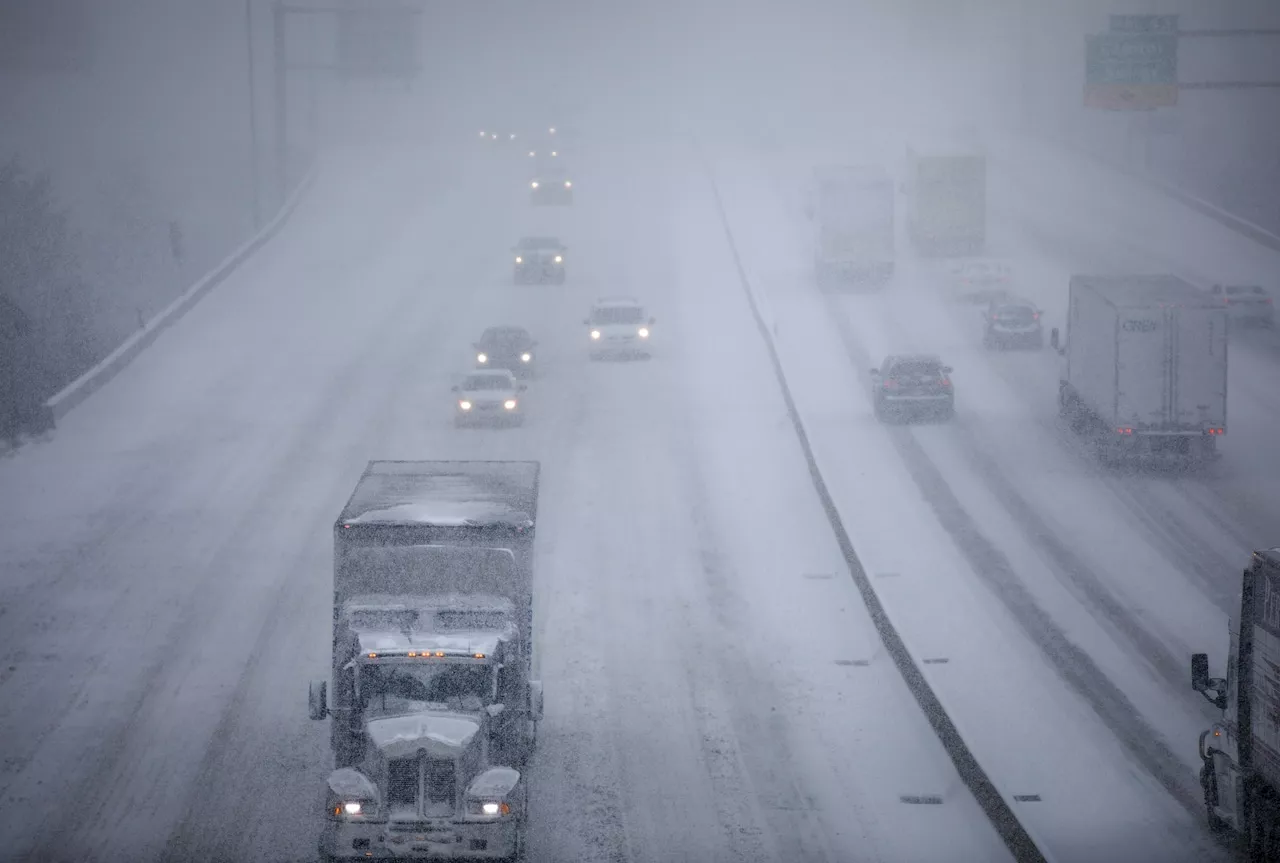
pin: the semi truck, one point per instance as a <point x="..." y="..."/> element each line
<point x="946" y="191"/>
<point x="1145" y="366"/>
<point x="1241" y="754"/>
<point x="852" y="208"/>
<point x="432" y="703"/>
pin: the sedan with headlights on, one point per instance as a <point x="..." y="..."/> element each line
<point x="509" y="348"/>
<point x="538" y="260"/>
<point x="489" y="398"/>
<point x="617" y="326"/>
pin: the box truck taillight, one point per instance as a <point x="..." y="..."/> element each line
<point x="1124" y="431"/>
<point x="1215" y="431"/>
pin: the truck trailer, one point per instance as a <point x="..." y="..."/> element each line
<point x="852" y="208"/>
<point x="433" y="707"/>
<point x="946" y="189"/>
<point x="1241" y="754"/>
<point x="1145" y="366"/>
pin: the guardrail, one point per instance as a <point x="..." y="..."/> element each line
<point x="57" y="406"/>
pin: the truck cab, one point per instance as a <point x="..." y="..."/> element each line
<point x="434" y="654"/>
<point x="1241" y="753"/>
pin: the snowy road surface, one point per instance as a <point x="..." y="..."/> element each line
<point x="167" y="555"/>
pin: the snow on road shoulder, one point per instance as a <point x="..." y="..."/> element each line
<point x="1033" y="736"/>
<point x="851" y="730"/>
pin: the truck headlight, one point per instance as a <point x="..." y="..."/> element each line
<point x="490" y="808"/>
<point x="524" y="358"/>
<point x="509" y="404"/>
<point x="559" y="259"/>
<point x="352" y="807"/>
<point x="519" y="260"/>
<point x="595" y="334"/>
<point x="464" y="405"/>
<point x="535" y="184"/>
<point x="568" y="185"/>
<point x="482" y="358"/>
<point x="644" y="332"/>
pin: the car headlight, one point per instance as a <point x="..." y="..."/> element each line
<point x="535" y="184"/>
<point x="509" y="404"/>
<point x="559" y="259"/>
<point x="524" y="358"/>
<point x="568" y="185"/>
<point x="482" y="358"/>
<point x="595" y="334"/>
<point x="464" y="405"/>
<point x="532" y="154"/>
<point x="352" y="807"/>
<point x="644" y="332"/>
<point x="519" y="260"/>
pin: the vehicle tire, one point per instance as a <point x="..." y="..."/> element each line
<point x="987" y="341"/>
<point x="879" y="410"/>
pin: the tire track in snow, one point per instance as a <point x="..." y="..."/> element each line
<point x="989" y="563"/>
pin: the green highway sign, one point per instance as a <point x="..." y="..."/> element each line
<point x="1131" y="71"/>
<point x="1167" y="24"/>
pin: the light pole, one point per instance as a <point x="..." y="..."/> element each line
<point x="255" y="178"/>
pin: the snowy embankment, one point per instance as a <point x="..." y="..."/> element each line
<point x="933" y="568"/>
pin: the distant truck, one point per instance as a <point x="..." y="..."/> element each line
<point x="1145" y="369"/>
<point x="852" y="208"/>
<point x="434" y="709"/>
<point x="1241" y="754"/>
<point x="946" y="190"/>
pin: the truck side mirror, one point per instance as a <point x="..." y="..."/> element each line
<point x="318" y="699"/>
<point x="456" y="388"/>
<point x="875" y="373"/>
<point x="652" y="321"/>
<point x="1204" y="684"/>
<point x="586" y="322"/>
<point x="535" y="700"/>
<point x="1053" y="340"/>
<point x="1199" y="671"/>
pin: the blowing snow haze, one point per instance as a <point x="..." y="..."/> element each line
<point x="627" y="432"/>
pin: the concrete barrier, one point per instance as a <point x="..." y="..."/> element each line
<point x="57" y="406"/>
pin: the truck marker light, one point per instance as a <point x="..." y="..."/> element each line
<point x="373" y="656"/>
<point x="439" y="653"/>
<point x="413" y="653"/>
<point x="478" y="655"/>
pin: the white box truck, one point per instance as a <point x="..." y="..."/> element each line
<point x="853" y="215"/>
<point x="946" y="189"/>
<point x="1241" y="753"/>
<point x="1145" y="366"/>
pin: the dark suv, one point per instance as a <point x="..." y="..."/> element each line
<point x="506" y="348"/>
<point x="913" y="385"/>
<point x="539" y="259"/>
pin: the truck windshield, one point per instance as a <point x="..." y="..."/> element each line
<point x="405" y="687"/>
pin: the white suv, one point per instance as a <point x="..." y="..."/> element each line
<point x="489" y="396"/>
<point x="618" y="326"/>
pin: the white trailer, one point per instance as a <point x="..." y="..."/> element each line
<point x="1145" y="370"/>
<point x="852" y="208"/>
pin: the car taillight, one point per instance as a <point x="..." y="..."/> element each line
<point x="890" y="383"/>
<point x="946" y="382"/>
<point x="1035" y="316"/>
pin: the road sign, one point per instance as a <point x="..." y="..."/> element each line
<point x="1167" y="24"/>
<point x="378" y="40"/>
<point x="1131" y="71"/>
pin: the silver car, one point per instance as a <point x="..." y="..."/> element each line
<point x="1009" y="323"/>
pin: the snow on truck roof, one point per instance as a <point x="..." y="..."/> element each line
<point x="1127" y="291"/>
<point x="445" y="494"/>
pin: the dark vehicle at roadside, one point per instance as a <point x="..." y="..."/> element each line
<point x="1010" y="322"/>
<point x="913" y="385"/>
<point x="506" y="347"/>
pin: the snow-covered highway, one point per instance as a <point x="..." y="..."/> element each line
<point x="167" y="554"/>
